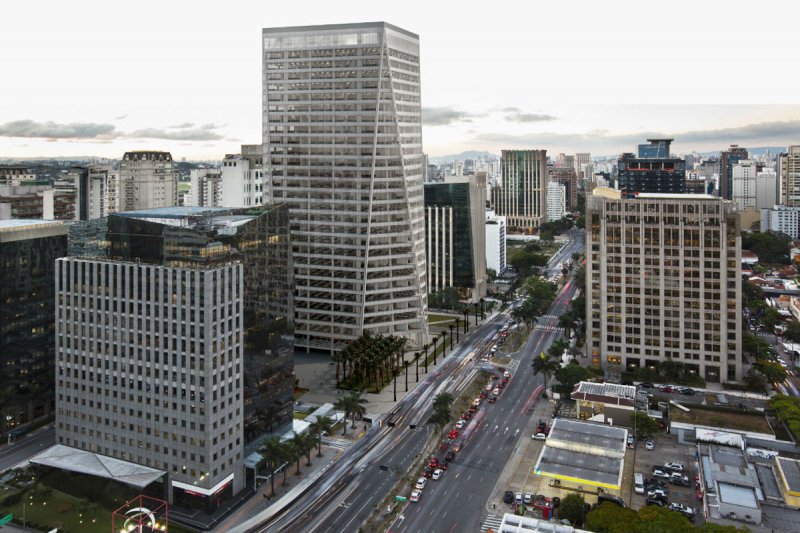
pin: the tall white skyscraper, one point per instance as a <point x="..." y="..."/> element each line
<point x="556" y="201"/>
<point x="343" y="148"/>
<point x="744" y="183"/>
<point x="206" y="188"/>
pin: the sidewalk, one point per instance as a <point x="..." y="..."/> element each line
<point x="317" y="373"/>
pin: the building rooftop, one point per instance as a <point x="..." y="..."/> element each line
<point x="583" y="452"/>
<point x="524" y="524"/>
<point x="17" y="224"/>
<point x="201" y="218"/>
<point x="334" y="27"/>
<point x="789" y="470"/>
<point x="604" y="392"/>
<point x="735" y="495"/>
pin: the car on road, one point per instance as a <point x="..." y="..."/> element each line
<point x="675" y="467"/>
<point x="457" y="445"/>
<point x="450" y="456"/>
<point x="506" y="374"/>
<point x="539" y="436"/>
<point x="646" y="385"/>
<point x="428" y="471"/>
<point x="415" y="494"/>
<point x="476" y="402"/>
<point x="444" y="445"/>
<point x="452" y="435"/>
<point x="527" y="498"/>
<point x="631" y="441"/>
<point x="483" y="395"/>
<point x="667" y="388"/>
<point x="466" y="416"/>
<point x="687" y="391"/>
<point x="460" y="424"/>
<point x="508" y="497"/>
<point x="649" y="445"/>
<point x="657" y="492"/>
<point x="496" y="391"/>
<point x="492" y="399"/>
<point x="654" y="501"/>
<point x="434" y="462"/>
<point x="421" y="483"/>
<point x="437" y="474"/>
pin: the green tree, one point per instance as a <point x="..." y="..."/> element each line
<point x="643" y="424"/>
<point x="771" y="248"/>
<point x="545" y="366"/>
<point x="773" y="372"/>
<point x="569" y="376"/>
<point x="526" y="263"/>
<point x="274" y="451"/>
<point x="793" y="331"/>
<point x="322" y="424"/>
<point x="302" y="444"/>
<point x="491" y="275"/>
<point x="352" y="405"/>
<point x="611" y="518"/>
<point x="572" y="509"/>
<point x="756" y="347"/>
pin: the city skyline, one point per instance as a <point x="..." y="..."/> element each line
<point x="491" y="81"/>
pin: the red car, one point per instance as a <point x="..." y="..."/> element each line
<point x="483" y="395"/>
<point x="666" y="388"/>
<point x="466" y="416"/>
<point x="452" y="435"/>
<point x="444" y="445"/>
<point x="434" y="462"/>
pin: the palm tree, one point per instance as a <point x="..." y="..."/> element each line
<point x="272" y="449"/>
<point x="287" y="456"/>
<point x="544" y="365"/>
<point x="356" y="407"/>
<point x="483" y="315"/>
<point x="425" y="347"/>
<point x="442" y="410"/>
<point x="343" y="404"/>
<point x="443" y="335"/>
<point x="301" y="446"/>
<point x="322" y="424"/>
<point x="466" y="319"/>
<point x="416" y="359"/>
<point x="435" y="340"/>
<point x="406" y="364"/>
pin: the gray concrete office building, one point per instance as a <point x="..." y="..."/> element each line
<point x="147" y="179"/>
<point x="343" y="149"/>
<point x="663" y="283"/>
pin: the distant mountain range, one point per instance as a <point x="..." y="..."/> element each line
<point x="470" y="154"/>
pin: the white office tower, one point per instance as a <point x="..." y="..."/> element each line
<point x="556" y="201"/>
<point x="766" y="188"/>
<point x="243" y="177"/>
<point x="343" y="149"/>
<point x="744" y="184"/>
<point x="206" y="189"/>
<point x="147" y="179"/>
<point x="581" y="160"/>
<point x="495" y="242"/>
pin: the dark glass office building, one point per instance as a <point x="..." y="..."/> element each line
<point x="456" y="235"/>
<point x="28" y="250"/>
<point x="653" y="171"/>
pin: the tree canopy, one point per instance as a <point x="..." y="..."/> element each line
<point x="769" y="247"/>
<point x="610" y="518"/>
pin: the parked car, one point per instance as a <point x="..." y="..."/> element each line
<point x="460" y="424"/>
<point x="687" y="391"/>
<point x="681" y="508"/>
<point x="453" y="434"/>
<point x="654" y="501"/>
<point x="421" y="483"/>
<point x="646" y="385"/>
<point x="492" y="399"/>
<point x="539" y="436"/>
<point x="437" y="474"/>
<point x="518" y="498"/>
<point x="657" y="492"/>
<point x="667" y="388"/>
<point x="508" y="497"/>
<point x="649" y="445"/>
<point x="661" y="473"/>
<point x="415" y="495"/>
<point x="679" y="479"/>
<point x="527" y="498"/>
<point x="675" y="467"/>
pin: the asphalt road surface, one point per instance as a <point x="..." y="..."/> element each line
<point x="457" y="502"/>
<point x="26" y="446"/>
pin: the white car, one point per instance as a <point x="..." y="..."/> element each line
<point x="650" y="445"/>
<point x="420" y="483"/>
<point x="460" y="424"/>
<point x="496" y="391"/>
<point x="675" y="467"/>
<point x="527" y="498"/>
<point x="437" y="474"/>
<point x="539" y="436"/>
<point x="476" y="402"/>
<point x="507" y="374"/>
<point x="661" y="493"/>
<point x="518" y="498"/>
<point x="681" y="508"/>
<point x="415" y="495"/>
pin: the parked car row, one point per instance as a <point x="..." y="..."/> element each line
<point x="669" y="389"/>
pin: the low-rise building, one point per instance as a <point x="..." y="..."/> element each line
<point x="605" y="402"/>
<point x="577" y="454"/>
<point x="789" y="479"/>
<point x="730" y="483"/>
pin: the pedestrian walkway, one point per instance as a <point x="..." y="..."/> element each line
<point x="336" y="444"/>
<point x="548" y="328"/>
<point x="492" y="521"/>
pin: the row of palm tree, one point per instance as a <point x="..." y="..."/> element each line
<point x="278" y="452"/>
<point x="369" y="359"/>
<point x="353" y="405"/>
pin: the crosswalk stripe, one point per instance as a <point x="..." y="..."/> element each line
<point x="492" y="521"/>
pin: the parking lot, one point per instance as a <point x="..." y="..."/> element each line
<point x="667" y="449"/>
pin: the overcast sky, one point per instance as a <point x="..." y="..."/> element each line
<point x="92" y="78"/>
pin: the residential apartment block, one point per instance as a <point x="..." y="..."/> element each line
<point x="147" y="179"/>
<point x="663" y="283"/>
<point x="789" y="176"/>
<point x="242" y="177"/>
<point x="495" y="242"/>
<point x="556" y="201"/>
<point x="343" y="149"/>
<point x="206" y="187"/>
